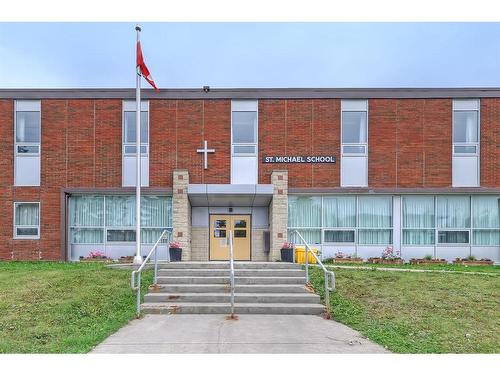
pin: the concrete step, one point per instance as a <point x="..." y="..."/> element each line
<point x="224" y="288"/>
<point x="225" y="265"/>
<point x="240" y="308"/>
<point x="238" y="297"/>
<point x="225" y="272"/>
<point x="239" y="280"/>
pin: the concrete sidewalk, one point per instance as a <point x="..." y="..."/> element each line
<point x="248" y="334"/>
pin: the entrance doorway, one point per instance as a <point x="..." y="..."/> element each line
<point x="220" y="225"/>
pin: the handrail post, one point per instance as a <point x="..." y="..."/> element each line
<point x="138" y="312"/>
<point x="307" y="261"/>
<point x="231" y="270"/>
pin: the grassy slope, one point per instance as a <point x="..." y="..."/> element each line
<point x="48" y="307"/>
<point x="445" y="267"/>
<point x="419" y="312"/>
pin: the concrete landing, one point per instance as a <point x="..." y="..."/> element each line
<point x="248" y="334"/>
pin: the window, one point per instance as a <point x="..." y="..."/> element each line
<point x="129" y="132"/>
<point x="111" y="218"/>
<point x="375" y="220"/>
<point x="354" y="129"/>
<point x="27" y="220"/>
<point x="244" y="142"/>
<point x="354" y="148"/>
<point x="486" y="220"/>
<point x="453" y="219"/>
<point x="339" y="212"/>
<point x="27" y="135"/>
<point x="304" y="214"/>
<point x="466" y="141"/>
<point x="418" y="220"/>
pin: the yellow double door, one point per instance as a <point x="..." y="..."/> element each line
<point x="220" y="225"/>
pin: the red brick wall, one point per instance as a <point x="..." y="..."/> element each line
<point x="490" y="142"/>
<point x="409" y="143"/>
<point x="409" y="146"/>
<point x="300" y="127"/>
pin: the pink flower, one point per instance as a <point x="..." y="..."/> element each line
<point x="175" y="245"/>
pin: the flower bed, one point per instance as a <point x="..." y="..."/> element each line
<point x="385" y="260"/>
<point x="96" y="256"/>
<point x="470" y="262"/>
<point x="126" y="259"/>
<point x="427" y="261"/>
<point x="346" y="260"/>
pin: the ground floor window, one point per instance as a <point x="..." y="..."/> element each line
<point x="95" y="219"/>
<point x="451" y="220"/>
<point x="341" y="219"/>
<point x="426" y="220"/>
<point x="27" y="220"/>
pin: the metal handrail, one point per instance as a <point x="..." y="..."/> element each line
<point x="329" y="275"/>
<point x="231" y="268"/>
<point x="138" y="271"/>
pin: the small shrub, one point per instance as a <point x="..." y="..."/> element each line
<point x="471" y="258"/>
<point x="428" y="257"/>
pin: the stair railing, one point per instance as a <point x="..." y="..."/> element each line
<point x="329" y="275"/>
<point x="136" y="274"/>
<point x="231" y="268"/>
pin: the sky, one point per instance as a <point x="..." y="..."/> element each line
<point x="191" y="55"/>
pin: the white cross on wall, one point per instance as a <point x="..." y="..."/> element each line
<point x="205" y="151"/>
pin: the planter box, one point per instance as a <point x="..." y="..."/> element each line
<point x="473" y="262"/>
<point x="175" y="254"/>
<point x="96" y="260"/>
<point x="428" y="261"/>
<point x="385" y="261"/>
<point x="287" y="255"/>
<point x="127" y="259"/>
<point x="347" y="260"/>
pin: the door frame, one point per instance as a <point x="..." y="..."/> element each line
<point x="209" y="234"/>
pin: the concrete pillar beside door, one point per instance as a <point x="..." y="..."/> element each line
<point x="181" y="212"/>
<point x="278" y="212"/>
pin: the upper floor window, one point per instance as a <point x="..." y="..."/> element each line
<point x="129" y="132"/>
<point x="244" y="142"/>
<point x="465" y="127"/>
<point x="129" y="136"/>
<point x="27" y="135"/>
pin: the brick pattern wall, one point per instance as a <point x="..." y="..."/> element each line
<point x="409" y="146"/>
<point x="490" y="142"/>
<point x="409" y="143"/>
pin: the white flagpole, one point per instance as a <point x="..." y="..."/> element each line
<point x="138" y="257"/>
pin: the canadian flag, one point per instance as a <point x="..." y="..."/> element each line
<point x="143" y="69"/>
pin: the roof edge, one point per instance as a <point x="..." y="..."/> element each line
<point x="253" y="93"/>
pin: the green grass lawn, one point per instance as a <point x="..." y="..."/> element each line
<point x="444" y="267"/>
<point x="51" y="307"/>
<point x="418" y="312"/>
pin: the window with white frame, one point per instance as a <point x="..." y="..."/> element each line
<point x="304" y="214"/>
<point x="375" y="220"/>
<point x="418" y="220"/>
<point x="466" y="141"/>
<point x="244" y="141"/>
<point x="129" y="138"/>
<point x="354" y="139"/>
<point x="129" y="133"/>
<point x="27" y="135"/>
<point x="27" y="220"/>
<point x="486" y="220"/>
<point x="453" y="219"/>
<point x="354" y="132"/>
<point x="339" y="219"/>
<point x="466" y="128"/>
<point x="110" y="219"/>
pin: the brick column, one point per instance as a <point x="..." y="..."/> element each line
<point x="278" y="212"/>
<point x="181" y="212"/>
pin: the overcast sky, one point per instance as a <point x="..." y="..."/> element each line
<point x="56" y="55"/>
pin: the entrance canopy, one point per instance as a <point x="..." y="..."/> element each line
<point x="230" y="195"/>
